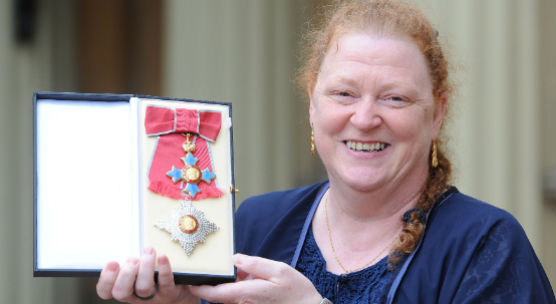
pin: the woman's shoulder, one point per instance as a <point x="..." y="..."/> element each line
<point x="461" y="220"/>
<point x="468" y="242"/>
<point x="463" y="211"/>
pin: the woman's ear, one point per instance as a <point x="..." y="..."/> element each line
<point x="438" y="115"/>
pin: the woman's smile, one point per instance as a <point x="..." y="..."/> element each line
<point x="365" y="146"/>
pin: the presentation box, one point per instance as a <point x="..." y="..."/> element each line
<point x="117" y="173"/>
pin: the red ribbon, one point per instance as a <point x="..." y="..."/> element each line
<point x="170" y="125"/>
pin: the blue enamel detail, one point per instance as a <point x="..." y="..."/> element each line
<point x="207" y="176"/>
<point x="192" y="189"/>
<point x="175" y="174"/>
<point x="190" y="160"/>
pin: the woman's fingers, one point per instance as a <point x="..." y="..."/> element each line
<point x="227" y="292"/>
<point x="144" y="285"/>
<point x="258" y="267"/>
<point x="165" y="275"/>
<point x="254" y="282"/>
<point x="168" y="288"/>
<point x="264" y="281"/>
<point x="123" y="287"/>
<point x="107" y="279"/>
<point x="242" y="275"/>
<point x="135" y="278"/>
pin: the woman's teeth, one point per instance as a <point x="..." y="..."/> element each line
<point x="365" y="147"/>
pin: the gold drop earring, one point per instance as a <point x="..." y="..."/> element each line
<point x="313" y="148"/>
<point x="434" y="156"/>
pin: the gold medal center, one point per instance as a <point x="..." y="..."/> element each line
<point x="192" y="174"/>
<point x="188" y="224"/>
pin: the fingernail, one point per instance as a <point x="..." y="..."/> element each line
<point x="238" y="258"/>
<point x="112" y="266"/>
<point x="133" y="261"/>
<point x="163" y="259"/>
<point x="148" y="250"/>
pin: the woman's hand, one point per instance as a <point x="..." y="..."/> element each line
<point x="261" y="281"/>
<point x="136" y="278"/>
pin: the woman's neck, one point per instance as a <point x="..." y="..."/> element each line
<point x="377" y="204"/>
<point x="360" y="225"/>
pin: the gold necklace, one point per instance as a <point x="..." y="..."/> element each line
<point x="334" y="250"/>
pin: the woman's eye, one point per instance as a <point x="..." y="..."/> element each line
<point x="396" y="101"/>
<point x="343" y="96"/>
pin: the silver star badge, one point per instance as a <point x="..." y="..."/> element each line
<point x="188" y="226"/>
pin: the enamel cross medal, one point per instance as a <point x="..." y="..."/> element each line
<point x="190" y="174"/>
<point x="173" y="173"/>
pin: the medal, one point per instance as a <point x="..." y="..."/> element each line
<point x="188" y="226"/>
<point x="190" y="173"/>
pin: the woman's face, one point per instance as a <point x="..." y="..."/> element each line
<point x="373" y="112"/>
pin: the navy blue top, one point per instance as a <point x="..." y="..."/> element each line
<point x="368" y="285"/>
<point x="470" y="252"/>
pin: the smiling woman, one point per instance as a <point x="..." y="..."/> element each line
<point x="388" y="65"/>
<point x="367" y="95"/>
<point x="374" y="91"/>
<point x="386" y="227"/>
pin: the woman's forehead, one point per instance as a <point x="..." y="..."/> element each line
<point x="374" y="51"/>
<point x="375" y="46"/>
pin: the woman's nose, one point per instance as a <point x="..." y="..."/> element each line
<point x="366" y="115"/>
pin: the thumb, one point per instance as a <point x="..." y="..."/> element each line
<point x="259" y="267"/>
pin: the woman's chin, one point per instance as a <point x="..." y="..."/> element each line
<point x="364" y="183"/>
